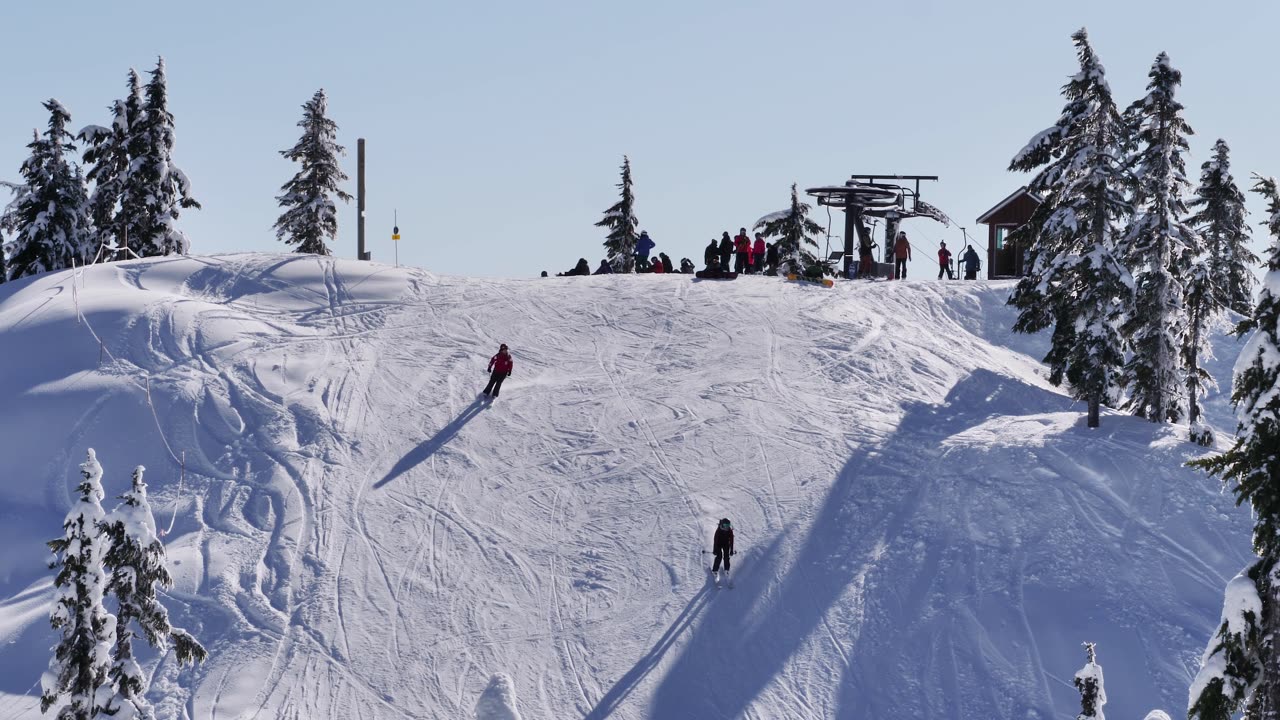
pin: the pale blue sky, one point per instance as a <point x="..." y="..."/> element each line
<point x="496" y="128"/>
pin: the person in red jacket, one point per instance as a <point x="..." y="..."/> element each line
<point x="499" y="368"/>
<point x="944" y="262"/>
<point x="742" y="247"/>
<point x="758" y="250"/>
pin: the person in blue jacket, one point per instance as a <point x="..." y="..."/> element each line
<point x="644" y="246"/>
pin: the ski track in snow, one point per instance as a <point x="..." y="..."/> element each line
<point x="924" y="527"/>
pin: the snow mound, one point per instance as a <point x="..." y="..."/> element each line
<point x="925" y="528"/>
<point x="498" y="702"/>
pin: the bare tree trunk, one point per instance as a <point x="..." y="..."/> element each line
<point x="1094" y="405"/>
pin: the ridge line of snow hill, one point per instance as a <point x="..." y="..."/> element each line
<point x="924" y="526"/>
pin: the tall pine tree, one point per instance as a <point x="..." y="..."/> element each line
<point x="1088" y="680"/>
<point x="793" y="230"/>
<point x="1220" y="218"/>
<point x="107" y="155"/>
<point x="1159" y="245"/>
<point x="135" y="559"/>
<point x="1076" y="283"/>
<point x="49" y="214"/>
<point x="157" y="190"/>
<point x="310" y="215"/>
<point x="621" y="221"/>
<point x="1202" y="309"/>
<point x="1242" y="664"/>
<point x="133" y="185"/>
<point x="79" y="667"/>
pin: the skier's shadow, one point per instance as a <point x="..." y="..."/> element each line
<point x="628" y="683"/>
<point x="424" y="451"/>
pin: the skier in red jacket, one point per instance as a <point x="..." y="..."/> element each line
<point x="742" y="244"/>
<point x="944" y="262"/>
<point x="500" y="367"/>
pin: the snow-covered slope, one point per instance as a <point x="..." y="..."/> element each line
<point x="925" y="528"/>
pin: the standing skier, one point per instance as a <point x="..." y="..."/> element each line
<point x="499" y="368"/>
<point x="742" y="248"/>
<point x="644" y="245"/>
<point x="944" y="262"/>
<point x="901" y="254"/>
<point x="722" y="545"/>
<point x="726" y="251"/>
<point x="972" y="264"/>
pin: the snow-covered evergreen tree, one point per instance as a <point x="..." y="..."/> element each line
<point x="1159" y="245"/>
<point x="156" y="190"/>
<point x="1232" y="663"/>
<point x="135" y="559"/>
<point x="793" y="230"/>
<point x="1202" y="309"/>
<point x="1076" y="283"/>
<point x="4" y="270"/>
<point x="107" y="155"/>
<point x="1242" y="667"/>
<point x="621" y="221"/>
<point x="132" y="185"/>
<point x="1088" y="681"/>
<point x="78" y="670"/>
<point x="310" y="215"/>
<point x="49" y="215"/>
<point x="1220" y="219"/>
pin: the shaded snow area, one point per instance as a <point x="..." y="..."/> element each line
<point x="924" y="527"/>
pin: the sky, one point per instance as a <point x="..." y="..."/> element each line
<point x="496" y="130"/>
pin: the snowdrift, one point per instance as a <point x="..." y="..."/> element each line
<point x="925" y="527"/>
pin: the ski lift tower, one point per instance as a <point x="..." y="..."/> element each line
<point x="892" y="197"/>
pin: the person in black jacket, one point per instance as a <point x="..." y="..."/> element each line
<point x="726" y="250"/>
<point x="722" y="545"/>
<point x="582" y="268"/>
<point x="711" y="253"/>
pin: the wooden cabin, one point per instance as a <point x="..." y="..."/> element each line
<point x="1005" y="259"/>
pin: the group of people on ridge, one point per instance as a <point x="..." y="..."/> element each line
<point x="644" y="246"/>
<point x="865" y="264"/>
<point x="743" y="255"/>
<point x="748" y="256"/>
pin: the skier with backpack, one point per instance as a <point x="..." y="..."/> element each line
<point x="500" y="369"/>
<point x="722" y="546"/>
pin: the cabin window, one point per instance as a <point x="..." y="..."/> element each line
<point x="999" y="238"/>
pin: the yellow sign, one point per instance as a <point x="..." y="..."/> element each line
<point x="395" y="237"/>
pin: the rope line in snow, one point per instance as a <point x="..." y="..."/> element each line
<point x="145" y="387"/>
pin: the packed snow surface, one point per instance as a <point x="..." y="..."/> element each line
<point x="925" y="528"/>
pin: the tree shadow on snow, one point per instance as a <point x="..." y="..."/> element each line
<point x="748" y="639"/>
<point x="622" y="689"/>
<point x="424" y="451"/>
